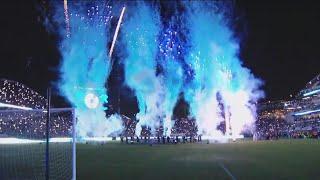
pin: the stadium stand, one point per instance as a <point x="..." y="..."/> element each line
<point x="17" y="94"/>
<point x="23" y="117"/>
<point x="297" y="118"/>
<point x="20" y="115"/>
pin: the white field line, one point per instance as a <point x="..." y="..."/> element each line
<point x="227" y="171"/>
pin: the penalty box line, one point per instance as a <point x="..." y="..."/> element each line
<point x="227" y="171"/>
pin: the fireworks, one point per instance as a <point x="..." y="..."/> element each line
<point x="189" y="52"/>
<point x="66" y="15"/>
<point x="217" y="71"/>
<point x="85" y="64"/>
<point x="170" y="59"/>
<point x="116" y="32"/>
<point x="140" y="38"/>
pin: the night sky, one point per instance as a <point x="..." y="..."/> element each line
<point x="280" y="43"/>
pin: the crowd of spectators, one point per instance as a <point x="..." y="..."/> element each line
<point x="32" y="124"/>
<point x="15" y="93"/>
<point x="275" y="128"/>
<point x="296" y="118"/>
<point x="271" y="128"/>
<point x="272" y="121"/>
<point x="275" y="124"/>
<point x="185" y="126"/>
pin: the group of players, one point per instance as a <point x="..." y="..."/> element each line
<point x="160" y="139"/>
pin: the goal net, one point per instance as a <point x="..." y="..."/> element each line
<point x="25" y="152"/>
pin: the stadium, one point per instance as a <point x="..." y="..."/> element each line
<point x="155" y="90"/>
<point x="23" y="134"/>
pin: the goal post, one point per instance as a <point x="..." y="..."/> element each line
<point x="24" y="148"/>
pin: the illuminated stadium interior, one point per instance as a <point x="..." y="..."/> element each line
<point x="23" y="113"/>
<point x="299" y="116"/>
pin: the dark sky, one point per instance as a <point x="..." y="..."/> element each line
<point x="280" y="44"/>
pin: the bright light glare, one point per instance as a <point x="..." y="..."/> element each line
<point x="312" y="92"/>
<point x="30" y="141"/>
<point x="307" y="112"/>
<point x="62" y="139"/>
<point x="18" y="141"/>
<point x="222" y="138"/>
<point x="98" y="139"/>
<point x="14" y="106"/>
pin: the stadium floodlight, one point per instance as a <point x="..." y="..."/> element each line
<point x="14" y="106"/>
<point x="312" y="92"/>
<point x="306" y="112"/>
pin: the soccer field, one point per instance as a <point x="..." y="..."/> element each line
<point x="282" y="159"/>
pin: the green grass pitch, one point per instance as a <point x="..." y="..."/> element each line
<point x="281" y="159"/>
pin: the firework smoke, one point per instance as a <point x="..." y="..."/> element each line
<point x="170" y="50"/>
<point x="193" y="52"/>
<point x="85" y="64"/>
<point x="140" y="33"/>
<point x="217" y="72"/>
